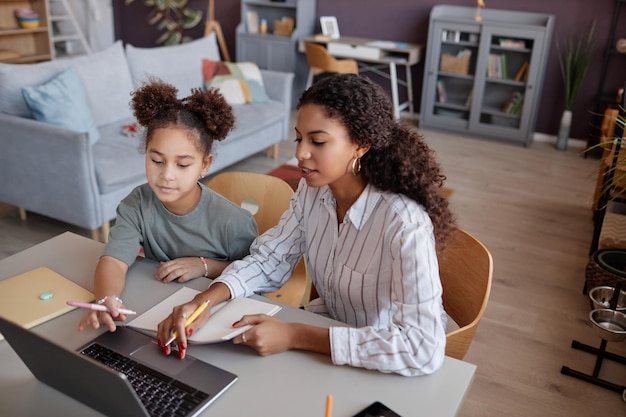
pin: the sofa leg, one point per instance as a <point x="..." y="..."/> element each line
<point x="272" y="151"/>
<point x="95" y="234"/>
<point x="106" y="227"/>
<point x="22" y="213"/>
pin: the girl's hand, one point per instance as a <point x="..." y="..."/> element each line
<point x="268" y="336"/>
<point x="181" y="269"/>
<point x="106" y="318"/>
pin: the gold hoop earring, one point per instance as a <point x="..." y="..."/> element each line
<point x="356" y="166"/>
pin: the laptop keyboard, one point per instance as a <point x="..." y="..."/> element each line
<point x="161" y="395"/>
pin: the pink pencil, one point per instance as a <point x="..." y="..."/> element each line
<point x="98" y="307"/>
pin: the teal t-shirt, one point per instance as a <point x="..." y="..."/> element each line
<point x="216" y="229"/>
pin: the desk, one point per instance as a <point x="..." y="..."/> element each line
<point x="292" y="383"/>
<point x="373" y="55"/>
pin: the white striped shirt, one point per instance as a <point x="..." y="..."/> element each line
<point x="376" y="271"/>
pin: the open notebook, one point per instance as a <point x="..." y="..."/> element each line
<point x="38" y="295"/>
<point x="218" y="328"/>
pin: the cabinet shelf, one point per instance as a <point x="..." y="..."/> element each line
<point x="494" y="91"/>
<point x="32" y="45"/>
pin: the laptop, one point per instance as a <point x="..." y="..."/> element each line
<point x="161" y="382"/>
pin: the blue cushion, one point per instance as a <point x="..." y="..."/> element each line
<point x="61" y="101"/>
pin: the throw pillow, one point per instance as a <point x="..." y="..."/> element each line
<point x="62" y="102"/>
<point x="239" y="82"/>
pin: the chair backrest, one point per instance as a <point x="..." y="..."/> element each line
<point x="267" y="197"/>
<point x="465" y="268"/>
<point x="321" y="61"/>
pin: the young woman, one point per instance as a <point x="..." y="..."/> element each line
<point x="191" y="230"/>
<point x="369" y="218"/>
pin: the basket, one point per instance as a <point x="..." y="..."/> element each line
<point x="455" y="64"/>
<point x="284" y="27"/>
<point x="605" y="267"/>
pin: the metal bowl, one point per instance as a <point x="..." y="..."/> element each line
<point x="610" y="325"/>
<point x="601" y="298"/>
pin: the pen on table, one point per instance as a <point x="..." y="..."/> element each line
<point x="329" y="406"/>
<point x="98" y="307"/>
<point x="190" y="319"/>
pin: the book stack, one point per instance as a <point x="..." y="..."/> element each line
<point x="497" y="67"/>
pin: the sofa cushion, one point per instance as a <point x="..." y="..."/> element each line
<point x="99" y="72"/>
<point x="178" y="65"/>
<point x="62" y="102"/>
<point x="239" y="82"/>
<point x="119" y="159"/>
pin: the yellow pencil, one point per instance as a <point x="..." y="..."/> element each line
<point x="190" y="319"/>
<point x="329" y="405"/>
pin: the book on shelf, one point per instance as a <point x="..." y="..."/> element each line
<point x="514" y="104"/>
<point x="494" y="66"/>
<point x="522" y="72"/>
<point x="219" y="326"/>
<point x="504" y="74"/>
<point x="441" y="92"/>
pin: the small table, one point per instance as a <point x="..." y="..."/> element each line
<point x="285" y="384"/>
<point x="374" y="55"/>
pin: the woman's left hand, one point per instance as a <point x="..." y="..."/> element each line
<point x="182" y="269"/>
<point x="268" y="335"/>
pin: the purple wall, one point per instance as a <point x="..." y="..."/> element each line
<point x="407" y="20"/>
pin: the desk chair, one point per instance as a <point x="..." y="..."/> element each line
<point x="321" y="61"/>
<point x="270" y="197"/>
<point x="465" y="269"/>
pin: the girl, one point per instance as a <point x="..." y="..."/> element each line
<point x="370" y="218"/>
<point x="178" y="221"/>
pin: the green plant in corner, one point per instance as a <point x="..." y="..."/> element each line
<point x="575" y="63"/>
<point x="172" y="17"/>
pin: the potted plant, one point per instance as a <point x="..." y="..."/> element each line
<point x="575" y="62"/>
<point x="172" y="17"/>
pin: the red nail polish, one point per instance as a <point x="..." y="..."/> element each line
<point x="159" y="344"/>
<point x="181" y="354"/>
<point x="166" y="350"/>
<point x="183" y="346"/>
<point x="235" y="323"/>
<point x="189" y="332"/>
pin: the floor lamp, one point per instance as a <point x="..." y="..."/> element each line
<point x="213" y="25"/>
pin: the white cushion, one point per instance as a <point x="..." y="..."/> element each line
<point x="179" y="65"/>
<point x="104" y="74"/>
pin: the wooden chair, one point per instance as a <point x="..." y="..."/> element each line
<point x="267" y="197"/>
<point x="321" y="61"/>
<point x="465" y="268"/>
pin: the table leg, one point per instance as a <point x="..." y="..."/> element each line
<point x="393" y="76"/>
<point x="409" y="89"/>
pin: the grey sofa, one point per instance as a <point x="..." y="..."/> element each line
<point x="56" y="172"/>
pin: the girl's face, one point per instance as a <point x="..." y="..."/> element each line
<point x="173" y="166"/>
<point x="324" y="149"/>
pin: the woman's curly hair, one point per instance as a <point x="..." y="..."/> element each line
<point x="205" y="114"/>
<point x="398" y="160"/>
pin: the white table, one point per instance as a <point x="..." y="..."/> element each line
<point x="386" y="57"/>
<point x="289" y="384"/>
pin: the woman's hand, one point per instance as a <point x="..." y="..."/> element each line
<point x="268" y="335"/>
<point x="181" y="269"/>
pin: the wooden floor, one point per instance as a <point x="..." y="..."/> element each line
<point x="531" y="208"/>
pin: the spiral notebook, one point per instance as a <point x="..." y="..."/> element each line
<point x="38" y="295"/>
<point x="218" y="328"/>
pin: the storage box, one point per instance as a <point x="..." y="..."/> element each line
<point x="455" y="64"/>
<point x="354" y="51"/>
<point x="284" y="27"/>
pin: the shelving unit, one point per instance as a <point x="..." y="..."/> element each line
<point x="613" y="60"/>
<point x="65" y="34"/>
<point x="276" y="52"/>
<point x="31" y="45"/>
<point x="484" y="77"/>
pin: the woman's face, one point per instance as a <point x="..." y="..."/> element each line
<point x="324" y="149"/>
<point x="173" y="166"/>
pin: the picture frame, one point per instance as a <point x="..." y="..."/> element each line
<point x="329" y="26"/>
<point x="252" y="21"/>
